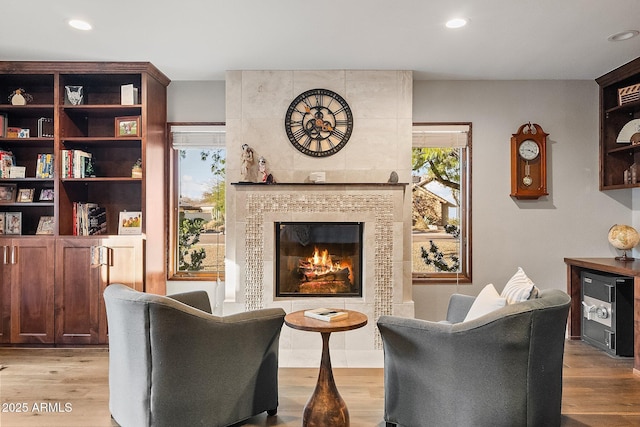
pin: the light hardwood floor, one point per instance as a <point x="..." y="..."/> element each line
<point x="68" y="388"/>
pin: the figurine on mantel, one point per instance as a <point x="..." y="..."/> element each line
<point x="247" y="161"/>
<point x="262" y="167"/>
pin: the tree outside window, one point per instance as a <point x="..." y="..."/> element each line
<point x="198" y="197"/>
<point x="440" y="200"/>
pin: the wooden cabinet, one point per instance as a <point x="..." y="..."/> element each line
<point x="59" y="125"/>
<point x="84" y="268"/>
<point x="27" y="288"/>
<point x="618" y="157"/>
<point x="605" y="265"/>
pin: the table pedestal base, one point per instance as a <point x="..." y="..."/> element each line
<point x="325" y="407"/>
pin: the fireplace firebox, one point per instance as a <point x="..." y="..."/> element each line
<point x="318" y="259"/>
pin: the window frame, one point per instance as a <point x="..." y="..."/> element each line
<point x="464" y="276"/>
<point x="172" y="221"/>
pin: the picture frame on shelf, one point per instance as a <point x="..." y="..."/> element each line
<point x="130" y="223"/>
<point x="8" y="193"/>
<point x="25" y="195"/>
<point x="45" y="127"/>
<point x="127" y="126"/>
<point x="13" y="223"/>
<point x="2" y="221"/>
<point x="46" y="195"/>
<point x="45" y="225"/>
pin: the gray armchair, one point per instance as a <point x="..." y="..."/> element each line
<point x="172" y="363"/>
<point x="501" y="369"/>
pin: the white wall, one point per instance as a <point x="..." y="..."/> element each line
<point x="196" y="101"/>
<point x="572" y="221"/>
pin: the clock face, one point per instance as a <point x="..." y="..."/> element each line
<point x="528" y="149"/>
<point x="319" y="122"/>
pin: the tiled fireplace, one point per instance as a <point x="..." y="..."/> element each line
<point x="355" y="191"/>
<point x="377" y="208"/>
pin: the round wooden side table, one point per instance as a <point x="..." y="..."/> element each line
<point x="325" y="406"/>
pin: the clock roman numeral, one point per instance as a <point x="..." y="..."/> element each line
<point x="342" y="122"/>
<point x="307" y="103"/>
<point x="302" y="113"/>
<point x="299" y="134"/>
<point x="307" y="142"/>
<point x="338" y="134"/>
<point x="329" y="104"/>
<point x="338" y="111"/>
<point x="319" y="99"/>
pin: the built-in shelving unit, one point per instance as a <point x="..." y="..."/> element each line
<point x="83" y="264"/>
<point x="615" y="157"/>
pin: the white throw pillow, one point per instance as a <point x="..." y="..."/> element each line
<point x="487" y="301"/>
<point x="518" y="288"/>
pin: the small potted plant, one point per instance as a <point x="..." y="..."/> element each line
<point x="136" y="169"/>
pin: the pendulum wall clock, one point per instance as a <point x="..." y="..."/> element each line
<point x="529" y="162"/>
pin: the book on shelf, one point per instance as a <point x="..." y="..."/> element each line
<point x="75" y="163"/>
<point x="44" y="165"/>
<point x="128" y="95"/>
<point x="17" y="171"/>
<point x="3" y="125"/>
<point x="6" y="162"/>
<point x="89" y="219"/>
<point x="326" y="314"/>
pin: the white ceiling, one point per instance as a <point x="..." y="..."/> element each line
<point x="200" y="39"/>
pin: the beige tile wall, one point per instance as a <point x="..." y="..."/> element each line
<point x="380" y="143"/>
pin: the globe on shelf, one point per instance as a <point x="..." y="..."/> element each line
<point x="623" y="237"/>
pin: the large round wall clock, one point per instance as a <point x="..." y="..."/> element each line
<point x="319" y="122"/>
<point x="529" y="162"/>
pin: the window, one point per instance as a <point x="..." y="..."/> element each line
<point x="197" y="220"/>
<point x="441" y="201"/>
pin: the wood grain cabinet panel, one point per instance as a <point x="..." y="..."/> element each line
<point x="84" y="268"/>
<point x="30" y="262"/>
<point x="5" y="297"/>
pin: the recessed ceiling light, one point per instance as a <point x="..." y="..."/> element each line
<point x="79" y="24"/>
<point x="623" y="35"/>
<point x="456" y="23"/>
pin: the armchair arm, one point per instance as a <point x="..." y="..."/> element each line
<point x="196" y="299"/>
<point x="459" y="306"/>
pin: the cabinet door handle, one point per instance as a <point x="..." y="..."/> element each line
<point x="14" y="254"/>
<point x="5" y="255"/>
<point x="99" y="255"/>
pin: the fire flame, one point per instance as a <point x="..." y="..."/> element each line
<point x="322" y="263"/>
<point x="321" y="269"/>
